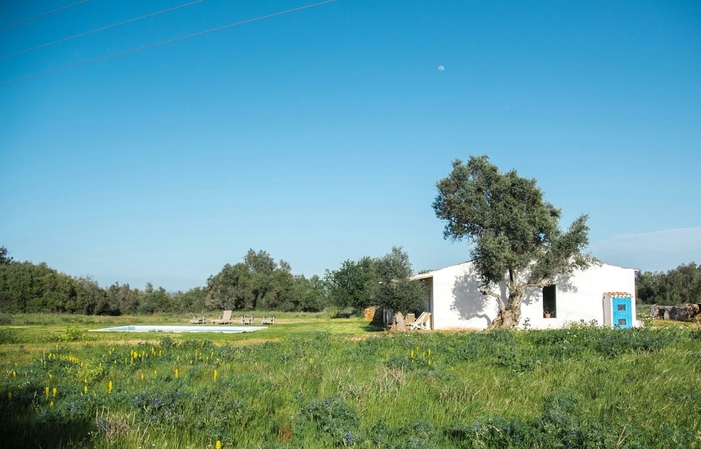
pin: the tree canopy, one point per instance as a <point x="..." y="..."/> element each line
<point x="677" y="286"/>
<point x="261" y="283"/>
<point x="256" y="283"/>
<point x="4" y="258"/>
<point x="395" y="289"/>
<point x="514" y="232"/>
<point x="384" y="281"/>
<point x="353" y="284"/>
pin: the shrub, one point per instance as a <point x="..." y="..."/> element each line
<point x="8" y="336"/>
<point x="334" y="418"/>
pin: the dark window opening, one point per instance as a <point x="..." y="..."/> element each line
<point x="621" y="321"/>
<point x="622" y="307"/>
<point x="549" y="302"/>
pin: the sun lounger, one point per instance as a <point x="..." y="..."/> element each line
<point x="225" y="319"/>
<point x="269" y="320"/>
<point x="197" y="320"/>
<point x="421" y="322"/>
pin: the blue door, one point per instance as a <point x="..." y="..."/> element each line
<point x="622" y="313"/>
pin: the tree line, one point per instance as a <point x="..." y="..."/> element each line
<point x="677" y="286"/>
<point x="257" y="283"/>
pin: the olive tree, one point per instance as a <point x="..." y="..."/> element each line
<point x="395" y="289"/>
<point x="514" y="232"/>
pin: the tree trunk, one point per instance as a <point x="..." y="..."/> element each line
<point x="399" y="322"/>
<point x="510" y="316"/>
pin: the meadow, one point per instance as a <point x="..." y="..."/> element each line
<point x="321" y="382"/>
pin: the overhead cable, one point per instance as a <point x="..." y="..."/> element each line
<point x="100" y="29"/>
<point x="42" y="15"/>
<point x="145" y="47"/>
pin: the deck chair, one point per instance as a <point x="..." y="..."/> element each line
<point x="269" y="320"/>
<point x="225" y="319"/>
<point x="421" y="322"/>
<point x="247" y="320"/>
<point x="197" y="320"/>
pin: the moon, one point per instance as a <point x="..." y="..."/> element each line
<point x="441" y="68"/>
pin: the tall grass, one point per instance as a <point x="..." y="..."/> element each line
<point x="579" y="387"/>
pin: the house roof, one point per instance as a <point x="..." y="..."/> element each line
<point x="617" y="294"/>
<point x="430" y="274"/>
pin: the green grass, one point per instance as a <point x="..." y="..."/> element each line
<point x="320" y="382"/>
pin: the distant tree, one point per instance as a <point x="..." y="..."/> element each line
<point x="256" y="283"/>
<point x="4" y="258"/>
<point x="29" y="288"/>
<point x="157" y="301"/>
<point x="677" y="286"/>
<point x="515" y="233"/>
<point x="260" y="262"/>
<point x="276" y="291"/>
<point x="192" y="300"/>
<point x="395" y="290"/>
<point x="124" y="298"/>
<point x="285" y="266"/>
<point x="309" y="294"/>
<point x="89" y="295"/>
<point x="354" y="284"/>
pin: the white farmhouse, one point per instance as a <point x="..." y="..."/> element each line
<point x="602" y="293"/>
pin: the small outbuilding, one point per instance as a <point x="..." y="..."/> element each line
<point x="603" y="294"/>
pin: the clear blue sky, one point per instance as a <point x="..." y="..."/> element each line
<point x="318" y="136"/>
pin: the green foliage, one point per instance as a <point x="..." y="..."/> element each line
<point x="677" y="286"/>
<point x="354" y="284"/>
<point x="8" y="336"/>
<point x="4" y="258"/>
<point x="334" y="419"/>
<point x="514" y="231"/>
<point x="384" y="281"/>
<point x="395" y="289"/>
<point x="259" y="283"/>
<point x="256" y="283"/>
<point x="73" y="334"/>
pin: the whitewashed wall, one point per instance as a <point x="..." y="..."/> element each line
<point x="582" y="297"/>
<point x="457" y="302"/>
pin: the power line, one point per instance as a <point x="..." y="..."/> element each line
<point x="145" y="47"/>
<point x="42" y="15"/>
<point x="100" y="29"/>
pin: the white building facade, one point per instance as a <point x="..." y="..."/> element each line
<point x="603" y="293"/>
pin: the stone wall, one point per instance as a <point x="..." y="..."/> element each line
<point x="683" y="312"/>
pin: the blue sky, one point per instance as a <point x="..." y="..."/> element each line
<point x="318" y="136"/>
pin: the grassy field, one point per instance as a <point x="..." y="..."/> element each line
<point x="313" y="381"/>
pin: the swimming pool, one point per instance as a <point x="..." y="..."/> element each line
<point x="164" y="328"/>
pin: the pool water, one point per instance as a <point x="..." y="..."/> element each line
<point x="164" y="328"/>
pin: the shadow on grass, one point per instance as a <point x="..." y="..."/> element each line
<point x="27" y="423"/>
<point x="374" y="327"/>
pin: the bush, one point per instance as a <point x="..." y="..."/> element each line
<point x="8" y="336"/>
